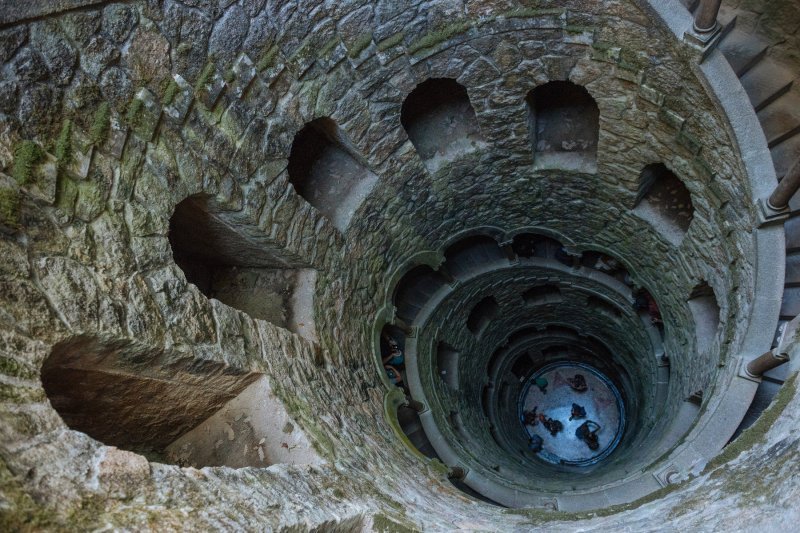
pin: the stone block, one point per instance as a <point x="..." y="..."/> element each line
<point x="121" y="472"/>
<point x="651" y="95"/>
<point x="79" y="163"/>
<point x="145" y="116"/>
<point x="43" y="186"/>
<point x="177" y="110"/>
<point x="117" y="135"/>
<point x="208" y="93"/>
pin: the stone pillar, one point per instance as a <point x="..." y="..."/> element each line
<point x="705" y="17"/>
<point x="766" y="362"/>
<point x="779" y="199"/>
<point x="509" y="251"/>
<point x="415" y="405"/>
<point x="405" y="328"/>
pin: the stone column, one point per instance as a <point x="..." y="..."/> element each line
<point x="405" y="328"/>
<point x="705" y="18"/>
<point x="509" y="251"/>
<point x="415" y="405"/>
<point x="766" y="362"/>
<point x="779" y="199"/>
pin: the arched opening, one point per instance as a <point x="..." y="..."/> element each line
<point x="522" y="366"/>
<point x="529" y="245"/>
<point x="447" y="365"/>
<point x="480" y="316"/>
<point x="220" y="256"/>
<point x="392" y="354"/>
<point x="327" y="171"/>
<point x="465" y="257"/>
<point x="440" y="121"/>
<point x="664" y="201"/>
<point x="414" y="290"/>
<point x="563" y="122"/>
<point x="542" y="294"/>
<point x="705" y="310"/>
<point x="133" y="396"/>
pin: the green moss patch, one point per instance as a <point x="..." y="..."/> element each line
<point x="100" y="124"/>
<point x="26" y="155"/>
<point x="756" y="434"/>
<point x="170" y="93"/>
<point x="133" y="112"/>
<point x="19" y="512"/>
<point x="541" y="515"/>
<point x="268" y="59"/>
<point x="9" y="207"/>
<point x="359" y="45"/>
<point x="205" y="75"/>
<point x="391" y="42"/>
<point x="439" y="36"/>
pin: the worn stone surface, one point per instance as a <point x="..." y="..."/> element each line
<point x="98" y="262"/>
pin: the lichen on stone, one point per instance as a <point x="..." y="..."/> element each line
<point x="63" y="149"/>
<point x="433" y="38"/>
<point x="9" y="208"/>
<point x="100" y="123"/>
<point x="359" y="45"/>
<point x="26" y="155"/>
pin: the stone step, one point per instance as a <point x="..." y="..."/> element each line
<point x="781" y="119"/>
<point x="765" y="82"/>
<point x="785" y="154"/>
<point x="742" y="50"/>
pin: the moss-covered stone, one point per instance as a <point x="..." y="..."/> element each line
<point x="9" y="207"/>
<point x="63" y="149"/>
<point x="383" y="524"/>
<point x="359" y="44"/>
<point x="268" y="59"/>
<point x="757" y="432"/>
<point x="26" y="155"/>
<point x="170" y="93"/>
<point x="445" y="33"/>
<point x="100" y="124"/>
<point x="391" y="42"/>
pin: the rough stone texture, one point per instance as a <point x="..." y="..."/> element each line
<point x="96" y="260"/>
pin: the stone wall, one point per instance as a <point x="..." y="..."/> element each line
<point x="135" y="106"/>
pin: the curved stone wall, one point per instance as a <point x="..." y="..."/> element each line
<point x="112" y="114"/>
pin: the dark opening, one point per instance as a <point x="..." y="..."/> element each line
<point x="563" y="121"/>
<point x="543" y="294"/>
<point x="414" y="290"/>
<point x="447" y="365"/>
<point x="133" y="396"/>
<point x="529" y="245"/>
<point x="326" y="170"/>
<point x="225" y="260"/>
<point x="483" y="313"/>
<point x="440" y="121"/>
<point x="664" y="201"/>
<point x="470" y="254"/>
<point x="522" y="366"/>
<point x="705" y="309"/>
